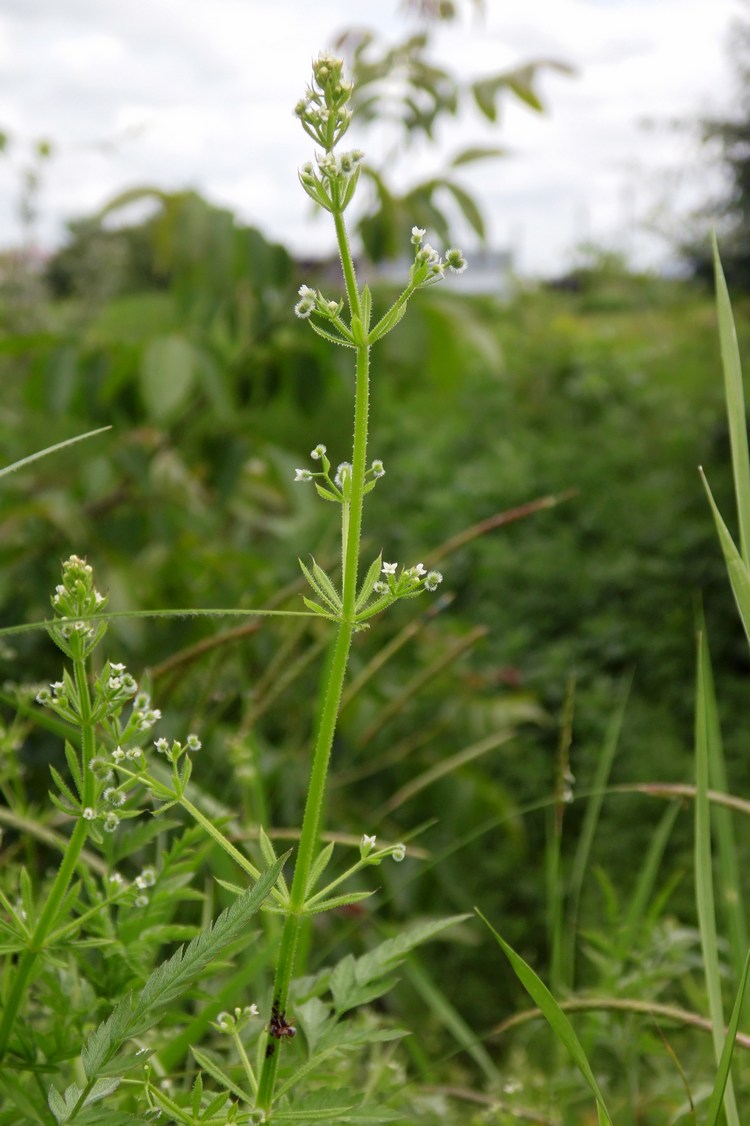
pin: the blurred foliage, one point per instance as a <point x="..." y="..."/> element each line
<point x="728" y="139"/>
<point x="400" y="86"/>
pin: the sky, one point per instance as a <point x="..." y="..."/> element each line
<point x="200" y="94"/>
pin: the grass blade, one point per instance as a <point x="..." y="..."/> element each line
<point x="722" y="1075"/>
<point x="555" y="1017"/>
<point x="735" y="402"/>
<point x="51" y="450"/>
<point x="704" y="888"/>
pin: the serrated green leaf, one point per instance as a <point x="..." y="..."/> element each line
<point x="135" y="1014"/>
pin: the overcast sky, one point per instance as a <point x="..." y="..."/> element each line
<point x="199" y="93"/>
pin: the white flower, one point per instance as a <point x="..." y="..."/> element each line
<point x="89" y="814"/>
<point x="378" y="469"/>
<point x="389" y="568"/>
<point x="433" y="580"/>
<point x="162" y="745"/>
<point x="417" y="234"/>
<point x="193" y="743"/>
<point x="318" y="452"/>
<point x="147" y="878"/>
<point x="302" y="475"/>
<point x="398" y="852"/>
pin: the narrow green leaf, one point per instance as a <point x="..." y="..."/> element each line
<point x="368" y="582"/>
<point x="333" y="602"/>
<point x="735" y="403"/>
<point x="477" y="152"/>
<point x="704" y="888"/>
<point x="326" y="494"/>
<point x="325" y="584"/>
<point x="330" y="336"/>
<point x="388" y="321"/>
<point x="321" y="862"/>
<point x="337" y="901"/>
<point x="212" y="1068"/>
<point x="64" y="788"/>
<point x="50" y="450"/>
<point x="739" y="576"/>
<point x="713" y="1110"/>
<point x="556" y="1018"/>
<point x="319" y="610"/>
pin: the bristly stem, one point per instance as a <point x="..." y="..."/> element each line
<point x="25" y="967"/>
<point x="336" y="672"/>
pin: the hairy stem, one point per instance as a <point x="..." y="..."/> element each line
<point x="335" y="673"/>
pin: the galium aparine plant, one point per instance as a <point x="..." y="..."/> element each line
<point x="119" y="769"/>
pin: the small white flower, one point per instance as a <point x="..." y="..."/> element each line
<point x="318" y="452"/>
<point x="89" y="814"/>
<point x="116" y="667"/>
<point x="389" y="568"/>
<point x="368" y="842"/>
<point x="419" y="570"/>
<point x="399" y="852"/>
<point x="433" y="580"/>
<point x="417" y="234"/>
<point x="378" y="469"/>
<point x="193" y="743"/>
<point x="140" y="901"/>
<point x="118" y="754"/>
<point x="111" y="821"/>
<point x="302" y="475"/>
<point x="344" y="471"/>
<point x="162" y="745"/>
<point x="380" y="588"/>
<point x="147" y="878"/>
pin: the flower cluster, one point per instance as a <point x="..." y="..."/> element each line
<point x="76" y="598"/>
<point x="323" y="110"/>
<point x="313" y="301"/>
<point x="339" y="487"/>
<point x="428" y="266"/>
<point x="325" y="116"/>
<point x="411" y="580"/>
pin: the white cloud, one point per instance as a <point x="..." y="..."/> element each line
<point x="199" y="93"/>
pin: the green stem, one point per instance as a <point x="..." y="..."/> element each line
<point x="72" y="853"/>
<point x="335" y="672"/>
